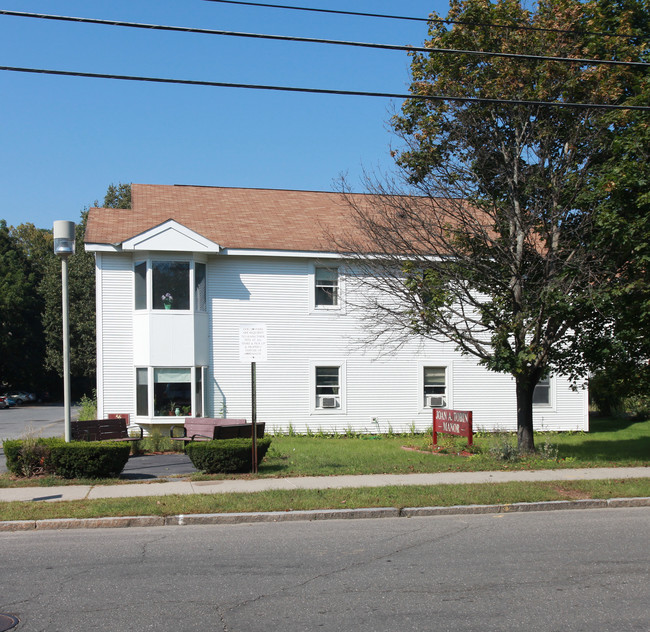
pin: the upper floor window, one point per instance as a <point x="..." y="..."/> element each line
<point x="200" y="291"/>
<point x="170" y="284"/>
<point x="141" y="285"/>
<point x="326" y="287"/>
<point x="165" y="285"/>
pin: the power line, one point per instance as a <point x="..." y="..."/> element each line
<point x="357" y="93"/>
<point x="513" y="27"/>
<point x="289" y="38"/>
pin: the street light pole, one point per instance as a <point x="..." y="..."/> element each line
<point x="64" y="245"/>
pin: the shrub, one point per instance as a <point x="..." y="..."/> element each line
<point x="78" y="459"/>
<point x="88" y="407"/>
<point x="504" y="448"/>
<point x="226" y="456"/>
<point x="29" y="457"/>
<point x="89" y="459"/>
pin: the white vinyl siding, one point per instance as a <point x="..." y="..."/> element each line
<point x="115" y="348"/>
<point x="380" y="387"/>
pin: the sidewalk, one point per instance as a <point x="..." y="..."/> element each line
<point x="162" y="487"/>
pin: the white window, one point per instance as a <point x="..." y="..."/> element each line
<point x="328" y="387"/>
<point x="142" y="392"/>
<point x="542" y="392"/>
<point x="326" y="287"/>
<point x="170" y="284"/>
<point x="141" y="285"/>
<point x="434" y="380"/>
<point x="165" y="285"/>
<point x="169" y="391"/>
<point x="200" y="287"/>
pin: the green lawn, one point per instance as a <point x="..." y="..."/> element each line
<point x="610" y="443"/>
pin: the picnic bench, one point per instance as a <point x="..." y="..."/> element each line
<point x="208" y="428"/>
<point x="115" y="429"/>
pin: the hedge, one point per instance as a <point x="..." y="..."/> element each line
<point x="77" y="459"/>
<point x="90" y="459"/>
<point x="226" y="456"/>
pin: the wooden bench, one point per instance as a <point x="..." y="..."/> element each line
<point x="205" y="428"/>
<point x="102" y="430"/>
<point x="239" y="431"/>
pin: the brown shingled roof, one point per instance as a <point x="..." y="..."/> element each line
<point x="234" y="218"/>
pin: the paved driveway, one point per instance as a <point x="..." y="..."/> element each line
<point x="46" y="420"/>
<point x="41" y="420"/>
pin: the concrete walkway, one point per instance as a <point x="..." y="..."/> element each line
<point x="162" y="487"/>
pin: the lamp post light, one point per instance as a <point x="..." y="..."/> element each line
<point x="64" y="244"/>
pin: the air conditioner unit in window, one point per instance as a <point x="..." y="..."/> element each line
<point x="328" y="401"/>
<point x="435" y="401"/>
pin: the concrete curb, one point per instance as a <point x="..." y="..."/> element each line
<point x="318" y="514"/>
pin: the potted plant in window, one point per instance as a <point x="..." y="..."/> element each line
<point x="167" y="300"/>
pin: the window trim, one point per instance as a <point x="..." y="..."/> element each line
<point x="313" y="307"/>
<point x="194" y="371"/>
<point x="551" y="404"/>
<point x="149" y="261"/>
<point x="313" y="407"/>
<point x="447" y="365"/>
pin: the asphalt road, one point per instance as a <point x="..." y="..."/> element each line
<point x="571" y="571"/>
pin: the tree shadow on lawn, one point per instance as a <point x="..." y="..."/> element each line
<point x="611" y="424"/>
<point x="614" y="450"/>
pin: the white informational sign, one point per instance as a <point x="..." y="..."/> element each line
<point x="252" y="342"/>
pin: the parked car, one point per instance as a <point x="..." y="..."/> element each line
<point x="3" y="402"/>
<point x="9" y="400"/>
<point x="22" y="397"/>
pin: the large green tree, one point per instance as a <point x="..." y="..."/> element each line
<point x="621" y="186"/>
<point x="21" y="343"/>
<point x="500" y="239"/>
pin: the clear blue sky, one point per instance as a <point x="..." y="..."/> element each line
<point x="65" y="139"/>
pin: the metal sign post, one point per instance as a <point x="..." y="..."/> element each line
<point x="254" y="414"/>
<point x="252" y="348"/>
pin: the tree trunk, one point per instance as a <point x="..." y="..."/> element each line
<point x="525" y="440"/>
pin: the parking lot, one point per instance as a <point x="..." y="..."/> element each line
<point x="44" y="420"/>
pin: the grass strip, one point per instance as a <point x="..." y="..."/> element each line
<point x="287" y="500"/>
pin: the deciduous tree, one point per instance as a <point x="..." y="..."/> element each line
<point x="492" y="248"/>
<point x="21" y="345"/>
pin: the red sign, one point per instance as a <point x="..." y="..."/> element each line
<point x="456" y="422"/>
<point x="119" y="416"/>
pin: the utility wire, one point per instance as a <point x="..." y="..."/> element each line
<point x="357" y="93"/>
<point x="513" y="27"/>
<point x="289" y="38"/>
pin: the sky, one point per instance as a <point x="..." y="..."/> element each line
<point x="64" y="140"/>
